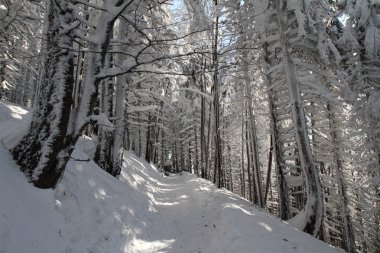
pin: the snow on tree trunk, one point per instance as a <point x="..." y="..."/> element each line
<point x="288" y="16"/>
<point x="218" y="179"/>
<point x="251" y="125"/>
<point x="118" y="135"/>
<point x="2" y="77"/>
<point x="242" y="152"/>
<point x="360" y="42"/>
<point x="43" y="151"/>
<point x="310" y="218"/>
<point x="347" y="223"/>
<point x="283" y="191"/>
<point x="103" y="154"/>
<point x="99" y="43"/>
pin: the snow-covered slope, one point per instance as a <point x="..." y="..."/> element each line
<point x="14" y="122"/>
<point x="143" y="211"/>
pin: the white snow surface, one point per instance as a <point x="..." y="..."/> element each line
<point x="142" y="211"/>
<point x="11" y="128"/>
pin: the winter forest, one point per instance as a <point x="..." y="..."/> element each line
<point x="277" y="101"/>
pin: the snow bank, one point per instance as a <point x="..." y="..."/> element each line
<point x="142" y="211"/>
<point x="14" y="123"/>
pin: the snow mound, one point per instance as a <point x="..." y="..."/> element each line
<point x="14" y="123"/>
<point x="142" y="211"/>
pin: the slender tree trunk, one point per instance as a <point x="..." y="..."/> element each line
<point x="196" y="151"/>
<point x="310" y="218"/>
<point x="148" y="141"/>
<point x="163" y="157"/>
<point x="104" y="152"/>
<point x="249" y="175"/>
<point x="218" y="148"/>
<point x="282" y="188"/>
<point x="209" y="139"/>
<point x="202" y="133"/>
<point x="347" y="223"/>
<point x="242" y="154"/>
<point x="2" y="77"/>
<point x="96" y="60"/>
<point x="269" y="170"/>
<point x="251" y="127"/>
<point x="120" y="121"/>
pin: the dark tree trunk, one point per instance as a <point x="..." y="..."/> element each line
<point x="104" y="152"/>
<point x="269" y="170"/>
<point x="202" y="134"/>
<point x="148" y="141"/>
<point x="218" y="178"/>
<point x="242" y="156"/>
<point x="44" y="151"/>
<point x="2" y="77"/>
<point x="196" y="171"/>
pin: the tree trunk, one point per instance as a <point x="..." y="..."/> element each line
<point x="96" y="60"/>
<point x="120" y="127"/>
<point x="218" y="148"/>
<point x="252" y="138"/>
<point x="283" y="191"/>
<point x="202" y="133"/>
<point x="44" y="151"/>
<point x="2" y="77"/>
<point x="247" y="148"/>
<point x="148" y="141"/>
<point x="310" y="218"/>
<point x="347" y="223"/>
<point x="209" y="140"/>
<point x="196" y="151"/>
<point x="104" y="152"/>
<point x="269" y="170"/>
<point x="242" y="154"/>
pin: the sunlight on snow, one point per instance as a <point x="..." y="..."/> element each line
<point x="234" y="206"/>
<point x="186" y="220"/>
<point x="137" y="161"/>
<point x="153" y="179"/>
<point x="138" y="179"/>
<point x="158" y="203"/>
<point x="92" y="182"/>
<point x="265" y="226"/>
<point x="140" y="245"/>
<point x="16" y="116"/>
<point x="101" y="194"/>
<point x="128" y="178"/>
<point x="203" y="189"/>
<point x="79" y="167"/>
<point x="17" y="110"/>
<point x="58" y="203"/>
<point x="117" y="216"/>
<point x="126" y="231"/>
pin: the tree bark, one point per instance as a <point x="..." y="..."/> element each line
<point x="310" y="218"/>
<point x="347" y="222"/>
<point x="44" y="151"/>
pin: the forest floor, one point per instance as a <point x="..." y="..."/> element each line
<point x="142" y="211"/>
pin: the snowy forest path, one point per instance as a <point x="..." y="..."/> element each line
<point x="189" y="214"/>
<point x="142" y="211"/>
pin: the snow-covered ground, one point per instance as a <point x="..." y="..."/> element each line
<point x="143" y="211"/>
